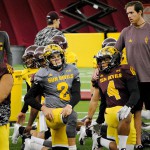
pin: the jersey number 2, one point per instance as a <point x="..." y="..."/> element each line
<point x="63" y="88"/>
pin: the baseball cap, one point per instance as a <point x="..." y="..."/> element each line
<point x="52" y="15"/>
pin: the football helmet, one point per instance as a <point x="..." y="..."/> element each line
<point x="111" y="44"/>
<point x="108" y="40"/>
<point x="48" y="54"/>
<point x="28" y="56"/>
<point x="60" y="40"/>
<point x="108" y="52"/>
<point x="39" y="56"/>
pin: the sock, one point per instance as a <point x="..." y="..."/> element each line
<point x="43" y="125"/>
<point x="73" y="147"/>
<point x="122" y="141"/>
<point x="37" y="140"/>
<point x="145" y="114"/>
<point x="130" y="147"/>
<point x="105" y="142"/>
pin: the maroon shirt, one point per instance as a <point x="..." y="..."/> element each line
<point x="137" y="44"/>
<point x="113" y="85"/>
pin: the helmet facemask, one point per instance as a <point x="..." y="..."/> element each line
<point x="55" y="60"/>
<point x="39" y="57"/>
<point x="28" y="57"/>
<point x="54" y="56"/>
<point x="28" y="61"/>
<point x="109" y="56"/>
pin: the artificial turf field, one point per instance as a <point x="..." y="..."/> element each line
<point x="81" y="108"/>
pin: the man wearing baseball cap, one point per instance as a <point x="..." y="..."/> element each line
<point x="53" y="22"/>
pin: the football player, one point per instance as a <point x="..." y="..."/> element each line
<point x="39" y="57"/>
<point x="117" y="85"/>
<point x="60" y="84"/>
<point x="6" y="84"/>
<point x="29" y="65"/>
<point x="70" y="57"/>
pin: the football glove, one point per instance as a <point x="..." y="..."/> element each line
<point x="124" y="112"/>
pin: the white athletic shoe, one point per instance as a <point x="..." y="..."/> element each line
<point x="27" y="144"/>
<point x="145" y="126"/>
<point x="82" y="135"/>
<point x="15" y="135"/>
<point x="95" y="143"/>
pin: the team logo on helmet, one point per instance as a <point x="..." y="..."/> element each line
<point x="50" y="51"/>
<point x="52" y="48"/>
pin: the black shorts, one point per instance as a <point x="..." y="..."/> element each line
<point x="144" y="88"/>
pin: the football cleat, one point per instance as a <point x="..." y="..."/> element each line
<point x="27" y="144"/>
<point x="145" y="138"/>
<point x="145" y="126"/>
<point x="96" y="141"/>
<point x="15" y="135"/>
<point x="83" y="135"/>
<point x="138" y="147"/>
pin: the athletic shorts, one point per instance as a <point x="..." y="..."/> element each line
<point x="58" y="129"/>
<point x="144" y="88"/>
<point x="4" y="137"/>
<point x="111" y="119"/>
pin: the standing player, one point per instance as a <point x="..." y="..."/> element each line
<point x="5" y="47"/>
<point x="6" y="84"/>
<point x="117" y="85"/>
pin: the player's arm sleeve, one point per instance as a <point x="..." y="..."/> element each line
<point x="100" y="119"/>
<point x="75" y="91"/>
<point x="7" y="48"/>
<point x="133" y="89"/>
<point x="30" y="98"/>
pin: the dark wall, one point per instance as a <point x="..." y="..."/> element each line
<point x="22" y="19"/>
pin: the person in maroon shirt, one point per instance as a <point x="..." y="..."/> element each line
<point x="136" y="39"/>
<point x="5" y="48"/>
<point x="6" y="84"/>
<point x="117" y="85"/>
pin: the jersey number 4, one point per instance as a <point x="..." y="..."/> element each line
<point x="112" y="91"/>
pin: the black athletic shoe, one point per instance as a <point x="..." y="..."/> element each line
<point x="138" y="147"/>
<point x="145" y="126"/>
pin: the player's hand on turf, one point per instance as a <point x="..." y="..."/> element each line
<point x="47" y="113"/>
<point x="87" y="122"/>
<point x="28" y="129"/>
<point x="124" y="112"/>
<point x="67" y="110"/>
<point x="21" y="118"/>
